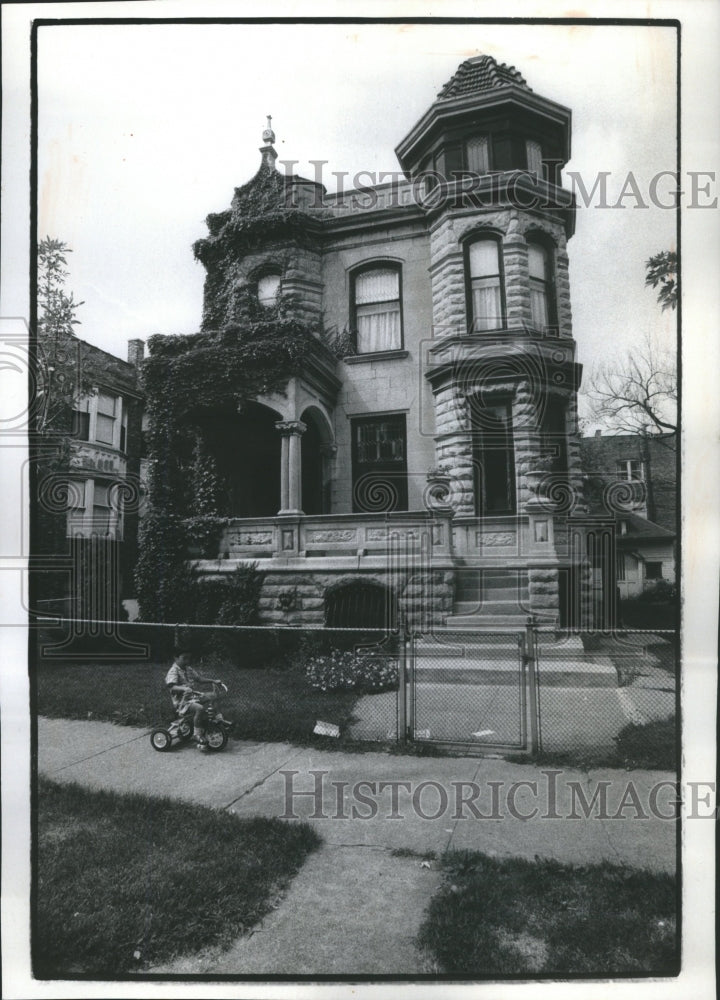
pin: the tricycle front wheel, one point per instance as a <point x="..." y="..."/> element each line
<point x="216" y="738"/>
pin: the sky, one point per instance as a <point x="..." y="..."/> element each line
<point x="145" y="129"/>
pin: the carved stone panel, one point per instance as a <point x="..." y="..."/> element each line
<point x="331" y="535"/>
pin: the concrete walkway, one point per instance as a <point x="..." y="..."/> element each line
<point x="357" y="904"/>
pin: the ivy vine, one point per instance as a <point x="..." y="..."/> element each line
<point x="244" y="350"/>
<point x="186" y="378"/>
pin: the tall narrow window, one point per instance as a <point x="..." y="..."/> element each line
<point x="554" y="434"/>
<point x="268" y="289"/>
<point x="379" y="464"/>
<point x="620" y="563"/>
<point x="76" y="508"/>
<point x="376" y="308"/>
<point x="101" y="509"/>
<point x="81" y="421"/>
<point x="107" y="411"/>
<point x="493" y="458"/>
<point x="477" y="154"/>
<point x="541" y="305"/>
<point x="486" y="299"/>
<point x="534" y="157"/>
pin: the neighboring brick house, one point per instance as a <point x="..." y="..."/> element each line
<point x="431" y="447"/>
<point x="632" y="479"/>
<point x="100" y="489"/>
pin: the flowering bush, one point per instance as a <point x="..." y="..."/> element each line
<point x="348" y="671"/>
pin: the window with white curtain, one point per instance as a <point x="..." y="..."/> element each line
<point x="534" y="157"/>
<point x="486" y="299"/>
<point x="540" y="286"/>
<point x="376" y="307"/>
<point x="477" y="154"/>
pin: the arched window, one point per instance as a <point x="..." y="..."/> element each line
<point x="268" y="289"/>
<point x="542" y="297"/>
<point x="485" y="299"/>
<point x="376" y="309"/>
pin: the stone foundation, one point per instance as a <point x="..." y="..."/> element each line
<point x="298" y="597"/>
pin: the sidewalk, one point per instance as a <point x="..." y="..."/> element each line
<point x="355" y="907"/>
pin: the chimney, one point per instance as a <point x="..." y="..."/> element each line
<point x="136" y="351"/>
<point x="598" y="433"/>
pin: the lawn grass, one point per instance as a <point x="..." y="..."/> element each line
<point x="638" y="746"/>
<point x="264" y="703"/>
<point x="650" y="745"/>
<point x="124" y="881"/>
<point x="514" y="917"/>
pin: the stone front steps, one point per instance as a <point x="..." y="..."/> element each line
<point x="482" y="658"/>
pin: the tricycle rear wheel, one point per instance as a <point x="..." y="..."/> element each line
<point x="160" y="740"/>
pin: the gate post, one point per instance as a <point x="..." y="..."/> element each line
<point x="405" y="668"/>
<point x="530" y="657"/>
<point x="402" y="689"/>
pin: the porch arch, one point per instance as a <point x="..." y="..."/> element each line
<point x="317" y="450"/>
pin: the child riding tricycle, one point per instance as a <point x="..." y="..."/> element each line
<point x="197" y="716"/>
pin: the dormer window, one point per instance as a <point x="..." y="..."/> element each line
<point x="268" y="289"/>
<point x="485" y="299"/>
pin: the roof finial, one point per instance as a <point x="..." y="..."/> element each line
<point x="268" y="134"/>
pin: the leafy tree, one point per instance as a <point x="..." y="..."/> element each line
<point x="62" y="372"/>
<point x="62" y="375"/>
<point x="662" y="270"/>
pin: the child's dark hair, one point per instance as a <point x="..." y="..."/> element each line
<point x="186" y="650"/>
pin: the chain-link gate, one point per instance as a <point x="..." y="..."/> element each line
<point x="468" y="690"/>
<point x="590" y="698"/>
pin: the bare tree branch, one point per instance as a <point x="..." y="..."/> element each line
<point x="636" y="392"/>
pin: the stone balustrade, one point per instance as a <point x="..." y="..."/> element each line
<point x="356" y="536"/>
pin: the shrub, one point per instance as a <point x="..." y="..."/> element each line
<point x="203" y="535"/>
<point x="661" y="591"/>
<point x="347" y="671"/>
<point x="232" y="600"/>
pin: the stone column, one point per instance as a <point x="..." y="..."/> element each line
<point x="290" y="466"/>
<point x="328" y="452"/>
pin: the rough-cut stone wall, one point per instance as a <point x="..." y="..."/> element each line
<point x="562" y="289"/>
<point x="427" y="599"/>
<point x="297" y="597"/>
<point x="525" y="416"/>
<point x="544" y="590"/>
<point x="517" y="281"/>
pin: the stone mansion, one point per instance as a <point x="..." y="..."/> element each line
<point x="427" y="455"/>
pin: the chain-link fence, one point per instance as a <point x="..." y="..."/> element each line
<point x="602" y="699"/>
<point x="608" y="698"/>
<point x="284" y="683"/>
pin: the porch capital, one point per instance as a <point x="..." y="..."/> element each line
<point x="291" y="427"/>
